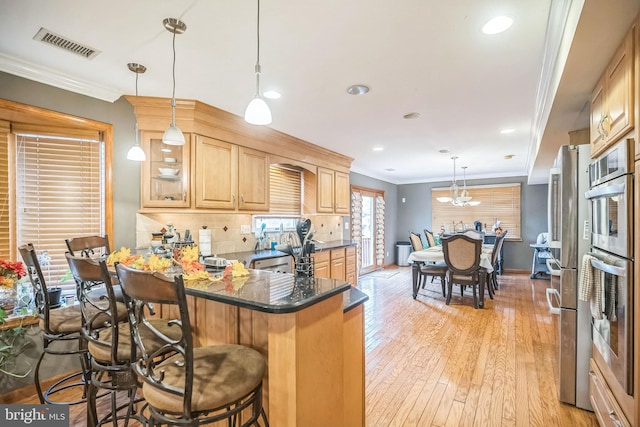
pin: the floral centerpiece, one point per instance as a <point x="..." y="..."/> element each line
<point x="186" y="260"/>
<point x="10" y="273"/>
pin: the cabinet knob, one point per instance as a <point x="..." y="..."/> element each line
<point x="242" y="199"/>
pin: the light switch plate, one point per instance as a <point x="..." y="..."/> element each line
<point x="245" y="229"/>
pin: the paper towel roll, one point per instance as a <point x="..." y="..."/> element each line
<point x="204" y="241"/>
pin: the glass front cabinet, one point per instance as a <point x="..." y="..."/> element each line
<point x="165" y="173"/>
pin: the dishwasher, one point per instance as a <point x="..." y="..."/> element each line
<point x="280" y="264"/>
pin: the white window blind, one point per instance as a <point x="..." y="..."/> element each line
<point x="285" y="190"/>
<point x="5" y="230"/>
<point x="60" y="194"/>
<point x="499" y="202"/>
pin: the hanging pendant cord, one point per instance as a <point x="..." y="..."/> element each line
<point x="173" y="94"/>
<point x="258" y="53"/>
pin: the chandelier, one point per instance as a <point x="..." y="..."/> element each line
<point x="458" y="197"/>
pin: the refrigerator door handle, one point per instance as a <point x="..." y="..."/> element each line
<point x="608" y="268"/>
<point x="608" y="190"/>
<point x="553" y="309"/>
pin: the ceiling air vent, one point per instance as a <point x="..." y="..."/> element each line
<point x="54" y="39"/>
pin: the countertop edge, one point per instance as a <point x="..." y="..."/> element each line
<point x="354" y="298"/>
<point x="269" y="308"/>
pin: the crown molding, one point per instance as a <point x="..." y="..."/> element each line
<point x="54" y="78"/>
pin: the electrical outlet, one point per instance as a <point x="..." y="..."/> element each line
<point x="245" y="229"/>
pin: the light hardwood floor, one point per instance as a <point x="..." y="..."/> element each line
<point x="429" y="364"/>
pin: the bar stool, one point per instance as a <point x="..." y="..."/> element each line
<point x="60" y="326"/>
<point x="184" y="385"/>
<point x="89" y="246"/>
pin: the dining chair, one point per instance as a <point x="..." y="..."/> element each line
<point x="495" y="259"/>
<point x="431" y="240"/>
<point x="89" y="246"/>
<point x="182" y="384"/>
<point x="474" y="234"/>
<point x="462" y="257"/>
<point x="61" y="333"/>
<point x="432" y="270"/>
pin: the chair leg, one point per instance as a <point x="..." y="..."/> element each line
<point x="36" y="379"/>
<point x="475" y="297"/>
<point x="443" y="280"/>
<point x="494" y="279"/>
<point x="449" y="293"/>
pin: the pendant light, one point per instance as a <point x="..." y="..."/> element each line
<point x="258" y="112"/>
<point x="173" y="135"/>
<point x="136" y="153"/>
<point x="453" y="190"/>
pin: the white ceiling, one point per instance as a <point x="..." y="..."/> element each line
<point x="425" y="56"/>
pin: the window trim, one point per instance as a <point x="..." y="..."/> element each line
<point x="21" y="114"/>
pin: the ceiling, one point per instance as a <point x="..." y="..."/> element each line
<point x="422" y="56"/>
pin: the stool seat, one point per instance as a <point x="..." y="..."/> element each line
<point x="222" y="374"/>
<point x="65" y="320"/>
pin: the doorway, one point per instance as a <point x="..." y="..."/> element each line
<point x="367" y="219"/>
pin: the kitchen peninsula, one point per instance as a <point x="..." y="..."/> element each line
<point x="310" y="331"/>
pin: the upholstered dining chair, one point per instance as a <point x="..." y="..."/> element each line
<point x="61" y="333"/>
<point x="431" y="240"/>
<point x="428" y="270"/>
<point x="182" y="384"/>
<point x="495" y="258"/>
<point x="89" y="246"/>
<point x="475" y="234"/>
<point x="462" y="257"/>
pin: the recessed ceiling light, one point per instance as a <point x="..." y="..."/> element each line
<point x="497" y="25"/>
<point x="443" y="151"/>
<point x="411" y="115"/>
<point x="271" y="94"/>
<point x="390" y="170"/>
<point x="504" y="131"/>
<point x="357" y="89"/>
<point x="509" y="156"/>
<point x="378" y="148"/>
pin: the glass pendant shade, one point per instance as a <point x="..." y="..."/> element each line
<point x="173" y="136"/>
<point x="257" y="112"/>
<point x="136" y="153"/>
<point x="457" y="197"/>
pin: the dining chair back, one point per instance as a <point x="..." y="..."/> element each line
<point x="495" y="258"/>
<point x="89" y="246"/>
<point x="183" y="384"/>
<point x="431" y="240"/>
<point x="416" y="241"/>
<point x="462" y="257"/>
<point x="59" y="324"/>
<point x="475" y="234"/>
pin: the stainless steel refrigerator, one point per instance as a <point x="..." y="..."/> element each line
<point x="569" y="236"/>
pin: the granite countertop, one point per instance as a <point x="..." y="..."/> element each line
<point x="334" y="244"/>
<point x="274" y="292"/>
<point x="248" y="257"/>
<point x="353" y="298"/>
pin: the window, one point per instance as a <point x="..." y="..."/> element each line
<point x="60" y="194"/>
<point x="497" y="202"/>
<point x="52" y="157"/>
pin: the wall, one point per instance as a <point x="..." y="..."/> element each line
<point x="415" y="214"/>
<point x="126" y="200"/>
<point x="391" y="211"/>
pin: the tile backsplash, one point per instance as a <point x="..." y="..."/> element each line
<point x="225" y="229"/>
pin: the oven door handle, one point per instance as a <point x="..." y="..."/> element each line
<point x="608" y="268"/>
<point x="605" y="191"/>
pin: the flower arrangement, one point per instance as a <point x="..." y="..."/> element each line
<point x="11" y="272"/>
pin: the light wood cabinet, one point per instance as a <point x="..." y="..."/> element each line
<point x="333" y="192"/>
<point x="338" y="267"/>
<point x="230" y="177"/>
<point x="165" y="174"/>
<point x="351" y="267"/>
<point x="612" y="100"/>
<point x="603" y="402"/>
<point x="321" y="263"/>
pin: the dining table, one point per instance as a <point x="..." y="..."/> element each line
<point x="434" y="254"/>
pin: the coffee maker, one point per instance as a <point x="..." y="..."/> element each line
<point x="477" y="225"/>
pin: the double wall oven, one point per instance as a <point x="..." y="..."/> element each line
<point x="611" y="209"/>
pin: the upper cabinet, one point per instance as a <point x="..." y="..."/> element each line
<point x="230" y="177"/>
<point x="333" y="192"/>
<point x="612" y="99"/>
<point x="165" y="173"/>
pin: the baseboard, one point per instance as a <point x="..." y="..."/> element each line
<point x="515" y="271"/>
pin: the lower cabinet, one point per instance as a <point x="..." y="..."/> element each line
<point x="339" y="263"/>
<point x="604" y="403"/>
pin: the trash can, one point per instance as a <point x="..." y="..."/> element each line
<point x="403" y="249"/>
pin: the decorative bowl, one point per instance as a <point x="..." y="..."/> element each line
<point x="168" y="171"/>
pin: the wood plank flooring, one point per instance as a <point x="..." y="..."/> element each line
<point x="429" y="364"/>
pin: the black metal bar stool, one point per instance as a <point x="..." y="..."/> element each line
<point x="61" y="327"/>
